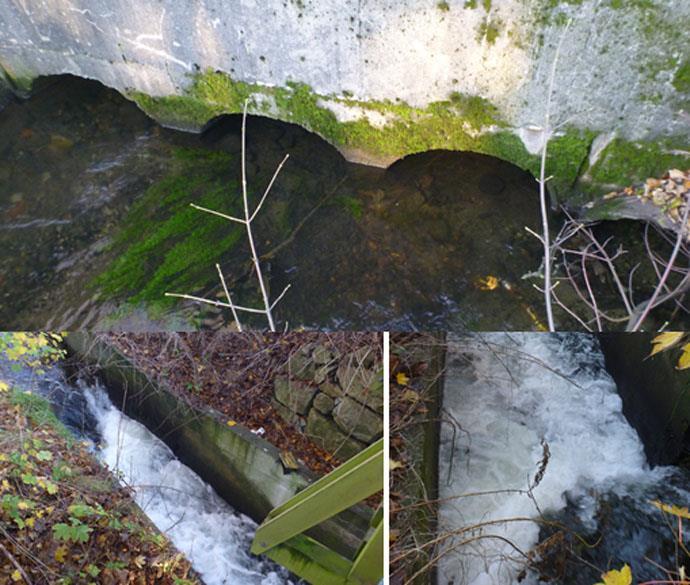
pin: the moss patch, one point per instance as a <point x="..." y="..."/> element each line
<point x="462" y="122"/>
<point x="450" y="123"/>
<point x="39" y="412"/>
<point x="167" y="245"/>
<point x="681" y="80"/>
<point x="624" y="163"/>
<point x="566" y="156"/>
<point x="489" y="31"/>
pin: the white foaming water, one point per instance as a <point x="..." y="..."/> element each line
<point x="506" y="394"/>
<point x="214" y="537"/>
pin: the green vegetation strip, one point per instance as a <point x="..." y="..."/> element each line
<point x="462" y="122"/>
<point x="63" y="518"/>
<point x="166" y="245"/>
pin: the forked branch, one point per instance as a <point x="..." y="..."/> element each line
<point x="246" y="221"/>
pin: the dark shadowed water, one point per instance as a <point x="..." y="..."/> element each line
<point x="409" y="247"/>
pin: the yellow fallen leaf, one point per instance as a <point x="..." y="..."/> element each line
<point x="490" y="282"/>
<point x="395" y="464"/>
<point x="231" y="423"/>
<point x="288" y="460"/>
<point x="672" y="509"/>
<point x="410" y="395"/>
<point x="61" y="554"/>
<point x="684" y="359"/>
<point x="401" y="379"/>
<point x="665" y="340"/>
<point x="617" y="577"/>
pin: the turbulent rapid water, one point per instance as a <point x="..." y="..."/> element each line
<point x="214" y="537"/>
<point x="517" y="400"/>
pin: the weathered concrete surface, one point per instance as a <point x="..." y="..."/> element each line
<point x="374" y="68"/>
<point x="656" y="396"/>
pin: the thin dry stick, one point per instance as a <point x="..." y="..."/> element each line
<point x="256" y="260"/>
<point x="546" y="237"/>
<point x="235" y="316"/>
<point x="16" y="564"/>
<point x="657" y="291"/>
<point x="590" y="292"/>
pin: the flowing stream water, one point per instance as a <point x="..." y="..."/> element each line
<point x="214" y="537"/>
<point x="408" y="247"/>
<point x="539" y="441"/>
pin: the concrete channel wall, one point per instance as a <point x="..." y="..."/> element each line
<point x="656" y="396"/>
<point x="243" y="468"/>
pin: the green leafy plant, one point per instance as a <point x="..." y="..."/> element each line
<point x="77" y="531"/>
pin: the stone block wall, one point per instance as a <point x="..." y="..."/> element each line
<point x="335" y="397"/>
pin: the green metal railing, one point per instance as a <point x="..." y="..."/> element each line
<point x="281" y="536"/>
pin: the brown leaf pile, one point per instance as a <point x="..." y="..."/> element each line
<point x="48" y="481"/>
<point x="234" y="373"/>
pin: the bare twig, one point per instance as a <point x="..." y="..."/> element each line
<point x="543" y="179"/>
<point x="650" y="304"/>
<point x="17" y="566"/>
<point x="246" y="221"/>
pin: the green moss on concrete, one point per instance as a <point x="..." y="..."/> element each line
<point x="489" y="30"/>
<point x="167" y="245"/>
<point x="175" y="111"/>
<point x="410" y="130"/>
<point x="623" y="163"/>
<point x="21" y="82"/>
<point x="210" y="94"/>
<point x="681" y="80"/>
<point x="462" y="122"/>
<point x="566" y="156"/>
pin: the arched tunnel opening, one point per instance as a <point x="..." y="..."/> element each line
<point x="95" y="223"/>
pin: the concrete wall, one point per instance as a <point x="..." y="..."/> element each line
<point x="382" y="79"/>
<point x="656" y="396"/>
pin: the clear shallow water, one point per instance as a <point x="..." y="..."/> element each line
<point x="404" y="247"/>
<point x="214" y="537"/>
<point x="512" y="394"/>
